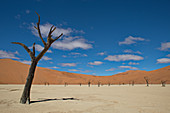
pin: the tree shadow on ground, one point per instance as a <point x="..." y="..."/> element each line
<point x="54" y="99"/>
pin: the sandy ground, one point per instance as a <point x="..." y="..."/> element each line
<point x="84" y="99"/>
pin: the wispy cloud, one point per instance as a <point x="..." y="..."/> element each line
<point x="111" y="69"/>
<point x="131" y="51"/>
<point x="168" y="55"/>
<point x="46" y="58"/>
<point x="73" y="70"/>
<point x="74" y="54"/>
<point x="5" y="54"/>
<point x="18" y="16"/>
<point x="54" y="67"/>
<point x="123" y="57"/>
<point x="101" y="53"/>
<point x="45" y="30"/>
<point x="131" y="40"/>
<point x="95" y="63"/>
<point x="25" y="62"/>
<point x="128" y="67"/>
<point x="165" y="46"/>
<point x="70" y="43"/>
<point x="163" y="60"/>
<point x="133" y="63"/>
<point x="68" y="64"/>
<point x="27" y="11"/>
<point x="39" y="48"/>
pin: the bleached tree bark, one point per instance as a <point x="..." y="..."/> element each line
<point x="25" y="98"/>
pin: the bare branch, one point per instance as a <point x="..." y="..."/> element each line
<point x="57" y="37"/>
<point x="26" y="48"/>
<point x="38" y="28"/>
<point x="50" y="32"/>
<point x="42" y="53"/>
<point x="53" y="29"/>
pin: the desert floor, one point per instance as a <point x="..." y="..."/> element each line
<point x="84" y="99"/>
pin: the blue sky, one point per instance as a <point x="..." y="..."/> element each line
<point x="101" y="37"/>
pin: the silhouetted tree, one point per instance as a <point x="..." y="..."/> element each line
<point x="133" y="82"/>
<point x="147" y="81"/>
<point x="109" y="84"/>
<point x="25" y="98"/>
<point x="89" y="83"/>
<point x="98" y="84"/>
<point x="163" y="82"/>
<point x="65" y="84"/>
<point x="80" y="84"/>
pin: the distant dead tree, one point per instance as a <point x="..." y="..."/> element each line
<point x="109" y="84"/>
<point x="163" y="82"/>
<point x="133" y="82"/>
<point x="80" y="84"/>
<point x="89" y="83"/>
<point x="147" y="81"/>
<point x="98" y="84"/>
<point x="65" y="84"/>
<point x="25" y="98"/>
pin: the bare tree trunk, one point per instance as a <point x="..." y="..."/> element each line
<point x="25" y="98"/>
<point x="26" y="93"/>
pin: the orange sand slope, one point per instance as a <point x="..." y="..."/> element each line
<point x="14" y="72"/>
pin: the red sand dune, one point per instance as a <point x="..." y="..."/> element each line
<point x="14" y="72"/>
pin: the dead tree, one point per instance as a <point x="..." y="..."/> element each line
<point x="163" y="82"/>
<point x="98" y="84"/>
<point x="25" y="98"/>
<point x="80" y="84"/>
<point x="109" y="84"/>
<point x="89" y="83"/>
<point x="147" y="81"/>
<point x="133" y="82"/>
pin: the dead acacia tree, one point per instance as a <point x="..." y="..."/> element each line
<point x="147" y="81"/>
<point x="25" y="98"/>
<point x="133" y="82"/>
<point x="89" y="83"/>
<point x="163" y="82"/>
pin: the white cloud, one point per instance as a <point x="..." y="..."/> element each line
<point x="26" y="62"/>
<point x="133" y="63"/>
<point x="130" y="51"/>
<point x="46" y="58"/>
<point x="131" y="40"/>
<point x="111" y="69"/>
<point x="168" y="55"/>
<point x="18" y="16"/>
<point x="54" y="67"/>
<point x="101" y="53"/>
<point x="95" y="63"/>
<point x="72" y="53"/>
<point x="129" y="67"/>
<point x="163" y="60"/>
<point x="123" y="57"/>
<point x="4" y="54"/>
<point x="70" y="43"/>
<point x="165" y="46"/>
<point x="27" y="11"/>
<point x="64" y="56"/>
<point x="46" y="28"/>
<point x="68" y="64"/>
<point x="39" y="48"/>
<point x="73" y="70"/>
<point x="78" y="54"/>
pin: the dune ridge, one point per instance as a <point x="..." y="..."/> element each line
<point x="14" y="72"/>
